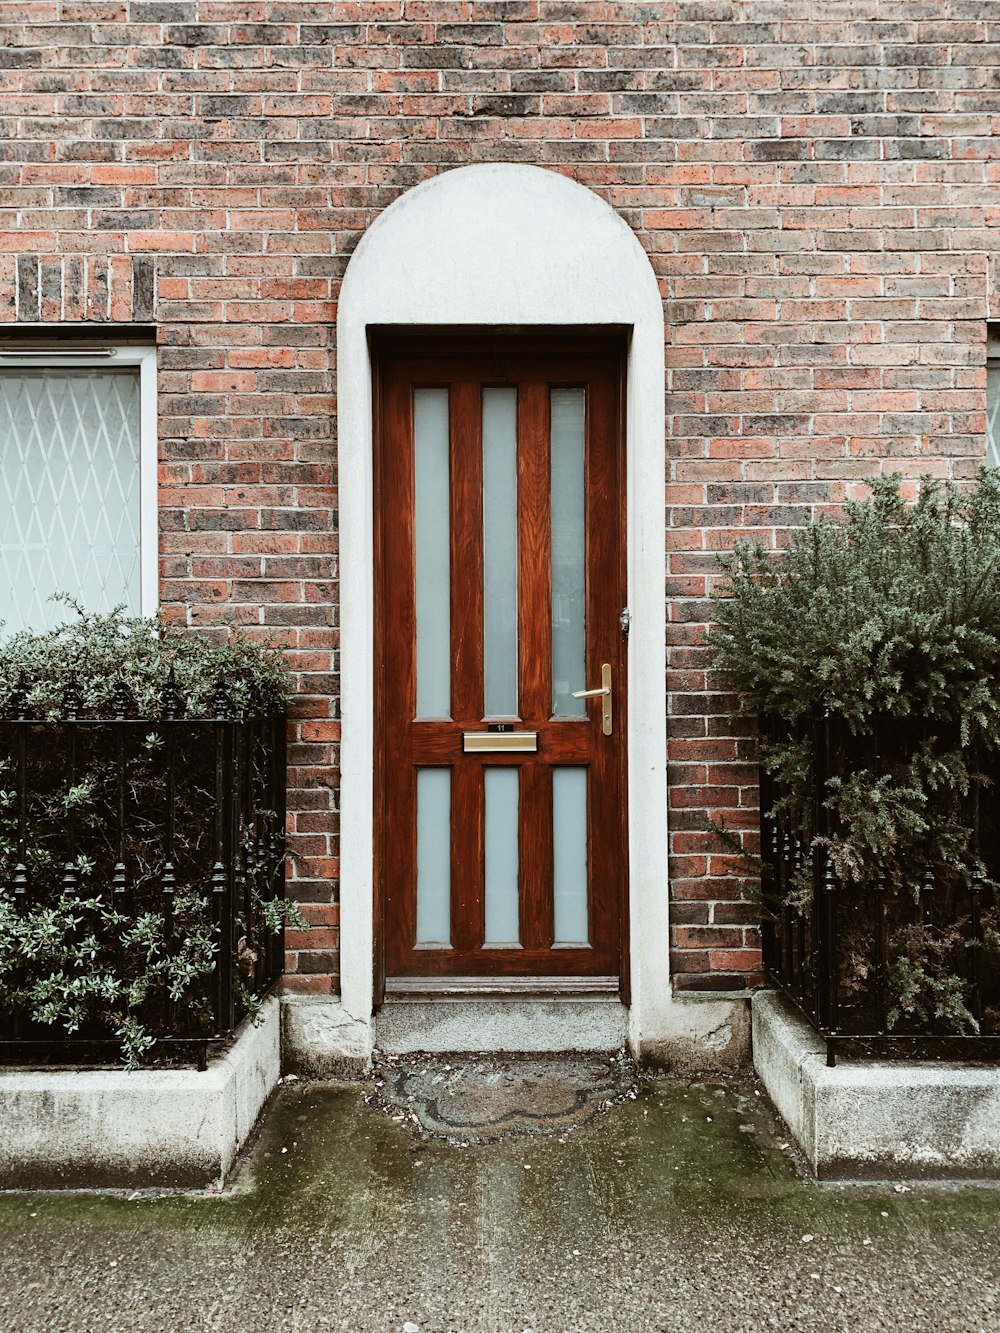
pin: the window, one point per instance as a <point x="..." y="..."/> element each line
<point x="993" y="397"/>
<point x="77" y="480"/>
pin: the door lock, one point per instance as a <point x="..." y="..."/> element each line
<point x="604" y="694"/>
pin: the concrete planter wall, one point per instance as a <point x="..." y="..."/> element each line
<point x="868" y="1119"/>
<point x="110" y="1128"/>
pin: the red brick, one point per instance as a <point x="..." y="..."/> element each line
<point x="826" y="272"/>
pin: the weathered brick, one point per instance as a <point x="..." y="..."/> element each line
<point x="815" y="198"/>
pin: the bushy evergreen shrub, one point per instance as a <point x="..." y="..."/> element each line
<point x="882" y="632"/>
<point x="103" y="652"/>
<point x="77" y="958"/>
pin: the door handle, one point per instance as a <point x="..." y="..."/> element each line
<point x="604" y="694"/>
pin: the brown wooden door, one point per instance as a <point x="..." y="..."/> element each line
<point x="500" y="585"/>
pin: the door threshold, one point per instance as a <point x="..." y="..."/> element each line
<point x="489" y="1015"/>
<point x="499" y="988"/>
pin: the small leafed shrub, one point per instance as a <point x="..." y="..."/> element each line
<point x="106" y="651"/>
<point x="877" y="638"/>
<point x="113" y="934"/>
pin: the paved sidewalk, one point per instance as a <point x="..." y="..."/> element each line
<point x="676" y="1210"/>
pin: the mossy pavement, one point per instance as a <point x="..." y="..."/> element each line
<point x="680" y="1209"/>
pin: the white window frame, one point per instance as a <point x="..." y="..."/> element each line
<point x="992" y="369"/>
<point x="86" y="357"/>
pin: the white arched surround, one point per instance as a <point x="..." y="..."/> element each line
<point x="513" y="246"/>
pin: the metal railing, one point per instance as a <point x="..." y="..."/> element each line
<point x="126" y="845"/>
<point x="843" y="953"/>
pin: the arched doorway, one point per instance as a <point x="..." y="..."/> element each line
<point x="497" y="247"/>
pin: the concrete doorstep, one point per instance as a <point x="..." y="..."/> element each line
<point x="876" y="1120"/>
<point x="115" y="1128"/>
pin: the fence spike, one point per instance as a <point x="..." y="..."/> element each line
<point x="19" y="883"/>
<point x="221" y="702"/>
<point x="976" y="940"/>
<point x="879" y="947"/>
<point x="927" y="893"/>
<point x="977" y="883"/>
<point x="171" y="703"/>
<point x="119" y="885"/>
<point x="72" y="699"/>
<point x="70" y="877"/>
<point x="121" y="700"/>
<point x="18" y="702"/>
<point x="168" y="885"/>
<point x="829" y="876"/>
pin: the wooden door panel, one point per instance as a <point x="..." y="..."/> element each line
<point x="395" y="684"/>
<point x="536" y="859"/>
<point x="467" y="857"/>
<point x="466" y="476"/>
<point x="465" y="367"/>
<point x="534" y="549"/>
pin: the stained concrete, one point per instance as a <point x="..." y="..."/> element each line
<point x="678" y="1211"/>
<point x="876" y="1118"/>
<point x="66" y="1128"/>
<point x="480" y="1098"/>
<point x="321" y="1039"/>
<point x="696" y="1032"/>
<point x="707" y="1032"/>
<point x="511" y="1024"/>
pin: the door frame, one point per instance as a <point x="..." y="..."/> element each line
<point x="503" y="246"/>
<point x="607" y="344"/>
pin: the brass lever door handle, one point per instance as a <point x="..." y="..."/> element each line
<point x="604" y="694"/>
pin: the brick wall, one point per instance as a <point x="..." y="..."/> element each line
<point x="817" y="197"/>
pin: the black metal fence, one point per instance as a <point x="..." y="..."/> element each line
<point x="880" y="965"/>
<point x="142" y="865"/>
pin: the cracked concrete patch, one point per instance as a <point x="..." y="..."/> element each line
<point x="480" y="1099"/>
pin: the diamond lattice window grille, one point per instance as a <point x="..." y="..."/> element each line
<point x="69" y="492"/>
<point x="993" y="413"/>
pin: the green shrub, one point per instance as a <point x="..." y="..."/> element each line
<point x="881" y="632"/>
<point x="893" y="613"/>
<point x="103" y="651"/>
<point x="78" y="958"/>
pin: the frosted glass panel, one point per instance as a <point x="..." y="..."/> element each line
<point x="69" y="493"/>
<point x="434" y="856"/>
<point x="568" y="547"/>
<point x="993" y="413"/>
<point x="502" y="924"/>
<point x="569" y="836"/>
<point x="500" y="552"/>
<point x="431" y="541"/>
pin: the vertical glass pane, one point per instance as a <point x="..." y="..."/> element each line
<point x="69" y="493"/>
<point x="568" y="546"/>
<point x="502" y="923"/>
<point x="569" y="836"/>
<point x="500" y="552"/>
<point x="434" y="856"/>
<point x="432" y="552"/>
<point x="993" y="413"/>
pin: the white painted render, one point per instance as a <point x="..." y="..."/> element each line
<point x="516" y="246"/>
